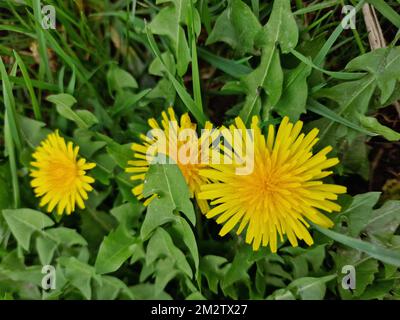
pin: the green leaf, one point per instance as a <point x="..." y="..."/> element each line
<point x="109" y="289"/>
<point x="365" y="270"/>
<point x="372" y="124"/>
<point x="310" y="288"/>
<point x="237" y="26"/>
<point x="360" y="211"/>
<point x="386" y="219"/>
<point x="211" y="267"/>
<point x="185" y="231"/>
<point x="167" y="181"/>
<point x="295" y="93"/>
<point x="281" y="27"/>
<point x="115" y="249"/>
<point x="79" y="274"/>
<point x="383" y="64"/>
<point x="157" y="66"/>
<point x="161" y="245"/>
<point x="128" y="214"/>
<point x="239" y="267"/>
<point x="83" y="118"/>
<point x="147" y="291"/>
<point x="378" y="252"/>
<point x="353" y="97"/>
<point x="33" y="131"/>
<point x="231" y="67"/>
<point x="301" y="258"/>
<point x="118" y="79"/>
<point x="24" y="222"/>
<point x="281" y="294"/>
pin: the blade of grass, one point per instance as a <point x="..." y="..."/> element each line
<point x="332" y="39"/>
<point x="320" y="109"/>
<point x="386" y="11"/>
<point x="25" y="75"/>
<point x="233" y="68"/>
<point x="316" y="7"/>
<point x="195" y="64"/>
<point x="9" y="144"/>
<point x="35" y="83"/>
<point x="378" y="252"/>
<point x="9" y="104"/>
<point x="333" y="74"/>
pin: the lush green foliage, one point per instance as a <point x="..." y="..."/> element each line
<point x="111" y="65"/>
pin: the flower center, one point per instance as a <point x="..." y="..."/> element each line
<point x="62" y="173"/>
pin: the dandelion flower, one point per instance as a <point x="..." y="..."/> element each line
<point x="59" y="177"/>
<point x="283" y="190"/>
<point x="190" y="170"/>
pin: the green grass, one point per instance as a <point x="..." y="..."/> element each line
<point x="111" y="65"/>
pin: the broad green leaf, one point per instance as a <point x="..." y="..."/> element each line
<point x="281" y="27"/>
<point x="45" y="248"/>
<point x="115" y="249"/>
<point x="167" y="181"/>
<point x="195" y="296"/>
<point x="294" y="93"/>
<point x="157" y="67"/>
<point x="354" y="97"/>
<point x="239" y="267"/>
<point x="161" y="245"/>
<point x="79" y="274"/>
<point x="185" y="231"/>
<point x="360" y="211"/>
<point x="33" y="131"/>
<point x="52" y="238"/>
<point x="165" y="272"/>
<point x="128" y="214"/>
<point x="233" y="68"/>
<point x="237" y="26"/>
<point x="310" y="288"/>
<point x="211" y="268"/>
<point x="83" y="118"/>
<point x="301" y="258"/>
<point x="118" y="79"/>
<point x="109" y="289"/>
<point x="384" y="220"/>
<point x="384" y="65"/>
<point x="24" y="222"/>
<point x="146" y="291"/>
<point x="281" y="294"/>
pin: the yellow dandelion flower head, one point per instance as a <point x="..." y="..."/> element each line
<point x="59" y="177"/>
<point x="171" y="146"/>
<point x="282" y="190"/>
